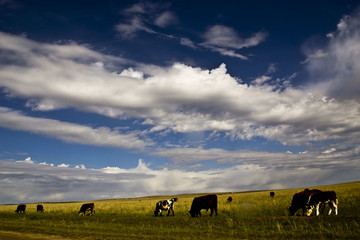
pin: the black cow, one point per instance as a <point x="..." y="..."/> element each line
<point x="165" y="205"/>
<point x="40" y="208"/>
<point x="322" y="198"/>
<point x="21" y="208"/>
<point x="300" y="200"/>
<point x="229" y="200"/>
<point x="272" y="194"/>
<point x="87" y="207"/>
<point x="204" y="202"/>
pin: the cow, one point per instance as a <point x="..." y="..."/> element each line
<point x="165" y="205"/>
<point x="300" y="200"/>
<point x="21" y="208"/>
<point x="322" y="198"/>
<point x="272" y="194"/>
<point x="40" y="208"/>
<point x="229" y="200"/>
<point x="87" y="207"/>
<point x="204" y="202"/>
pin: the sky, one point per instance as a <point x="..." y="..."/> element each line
<point x="114" y="99"/>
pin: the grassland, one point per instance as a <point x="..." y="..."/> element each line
<point x="251" y="215"/>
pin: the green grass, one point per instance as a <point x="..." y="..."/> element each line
<point x="250" y="215"/>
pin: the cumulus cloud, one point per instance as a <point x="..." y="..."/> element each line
<point x="335" y="67"/>
<point x="27" y="160"/>
<point x="178" y="98"/>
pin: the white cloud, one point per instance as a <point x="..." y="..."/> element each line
<point x="187" y="42"/>
<point x="178" y="98"/>
<point x="63" y="165"/>
<point x="225" y="40"/>
<point x="35" y="182"/>
<point x="165" y="19"/>
<point x="70" y="132"/>
<point x="81" y="166"/>
<point x="335" y="67"/>
<point x="27" y="160"/>
<point x="145" y="16"/>
<point x="223" y="36"/>
<point x="329" y="150"/>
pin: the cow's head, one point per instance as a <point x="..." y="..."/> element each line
<point x="192" y="213"/>
<point x="308" y="210"/>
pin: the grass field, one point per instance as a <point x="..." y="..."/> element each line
<point x="251" y="215"/>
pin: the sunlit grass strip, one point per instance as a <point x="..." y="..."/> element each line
<point x="250" y="215"/>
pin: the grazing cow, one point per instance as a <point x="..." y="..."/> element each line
<point x="229" y="200"/>
<point x="87" y="207"/>
<point x="204" y="202"/>
<point x="324" y="198"/>
<point x="21" y="208"/>
<point x="40" y="208"/>
<point x="272" y="194"/>
<point x="300" y="200"/>
<point x="165" y="205"/>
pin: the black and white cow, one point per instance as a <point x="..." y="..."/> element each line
<point x="165" y="205"/>
<point x="317" y="199"/>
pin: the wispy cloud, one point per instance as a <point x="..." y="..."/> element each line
<point x="225" y="40"/>
<point x="145" y="16"/>
<point x="70" y="132"/>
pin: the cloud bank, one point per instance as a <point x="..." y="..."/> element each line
<point x="30" y="182"/>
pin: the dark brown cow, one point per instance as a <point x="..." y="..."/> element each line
<point x="272" y="194"/>
<point x="204" y="202"/>
<point x="40" y="208"/>
<point x="87" y="207"/>
<point x="300" y="200"/>
<point x="21" y="208"/>
<point x="322" y="198"/>
<point x="229" y="200"/>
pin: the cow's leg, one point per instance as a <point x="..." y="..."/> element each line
<point x="211" y="211"/>
<point x="303" y="210"/>
<point x="336" y="208"/>
<point x="333" y="205"/>
<point x="317" y="209"/>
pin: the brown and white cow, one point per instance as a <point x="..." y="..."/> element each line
<point x="165" y="205"/>
<point x="204" y="202"/>
<point x="300" y="200"/>
<point x="87" y="207"/>
<point x="21" y="208"/>
<point x="317" y="199"/>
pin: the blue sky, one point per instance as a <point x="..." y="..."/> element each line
<point x="107" y="99"/>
